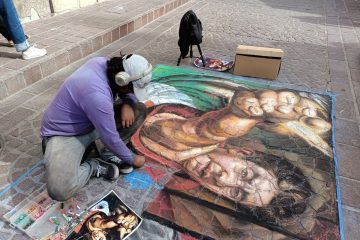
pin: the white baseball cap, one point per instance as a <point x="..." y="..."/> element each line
<point x="136" y="65"/>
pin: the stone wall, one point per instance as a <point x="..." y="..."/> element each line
<point x="30" y="10"/>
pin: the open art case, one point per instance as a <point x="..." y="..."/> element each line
<point x="214" y="64"/>
<point x="42" y="218"/>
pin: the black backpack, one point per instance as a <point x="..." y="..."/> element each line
<point x="190" y="32"/>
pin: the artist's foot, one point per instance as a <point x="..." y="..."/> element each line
<point x="108" y="156"/>
<point x="33" y="52"/>
<point x="104" y="169"/>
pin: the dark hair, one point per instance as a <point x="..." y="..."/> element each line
<point x="295" y="190"/>
<point x="115" y="65"/>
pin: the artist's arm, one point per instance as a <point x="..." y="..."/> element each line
<point x="127" y="109"/>
<point x="129" y="99"/>
<point x="99" y="109"/>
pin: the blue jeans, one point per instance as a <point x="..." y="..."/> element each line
<point x="12" y="23"/>
<point x="3" y="30"/>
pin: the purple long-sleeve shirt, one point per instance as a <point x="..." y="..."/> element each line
<point x="85" y="102"/>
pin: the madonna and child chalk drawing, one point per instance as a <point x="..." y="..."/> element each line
<point x="249" y="159"/>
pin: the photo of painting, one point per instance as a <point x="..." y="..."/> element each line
<point x="108" y="219"/>
<point x="250" y="158"/>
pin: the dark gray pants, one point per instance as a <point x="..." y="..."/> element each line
<point x="65" y="174"/>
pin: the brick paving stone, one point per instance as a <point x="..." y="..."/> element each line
<point x="354" y="61"/>
<point x="336" y="54"/>
<point x="86" y="48"/>
<point x="341" y="86"/>
<point x="115" y="34"/>
<point x="48" y="67"/>
<point x="344" y="108"/>
<point x="15" y="82"/>
<point x="13" y="142"/>
<point x="3" y="90"/>
<point x="348" y="160"/>
<point x="15" y="100"/>
<point x="17" y="64"/>
<point x="35" y="151"/>
<point x="8" y="157"/>
<point x="338" y="70"/>
<point x="4" y="169"/>
<point x="355" y="74"/>
<point x="32" y="75"/>
<point x="54" y="49"/>
<point x="352" y="223"/>
<point x="356" y="86"/>
<point x="13" y="118"/>
<point x="347" y="132"/>
<point x="350" y="192"/>
<point x="62" y="60"/>
<point x="5" y="72"/>
<point x="75" y="54"/>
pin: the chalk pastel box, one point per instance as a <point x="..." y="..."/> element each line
<point x="32" y="214"/>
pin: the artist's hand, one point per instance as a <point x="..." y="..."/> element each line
<point x="127" y="115"/>
<point x="139" y="161"/>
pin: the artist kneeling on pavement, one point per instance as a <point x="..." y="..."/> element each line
<point x="96" y="101"/>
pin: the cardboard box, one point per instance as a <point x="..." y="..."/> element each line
<point x="258" y="62"/>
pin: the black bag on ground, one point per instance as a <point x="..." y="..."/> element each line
<point x="190" y="32"/>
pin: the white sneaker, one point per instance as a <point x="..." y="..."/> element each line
<point x="33" y="52"/>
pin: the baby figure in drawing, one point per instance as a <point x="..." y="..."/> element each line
<point x="109" y="219"/>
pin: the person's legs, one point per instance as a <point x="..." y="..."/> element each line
<point x="3" y="30"/>
<point x="13" y="26"/>
<point x="65" y="175"/>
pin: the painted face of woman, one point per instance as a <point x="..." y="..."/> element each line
<point x="234" y="177"/>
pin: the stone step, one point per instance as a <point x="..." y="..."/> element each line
<point x="74" y="35"/>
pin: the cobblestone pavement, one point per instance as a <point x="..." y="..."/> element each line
<point x="322" y="51"/>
